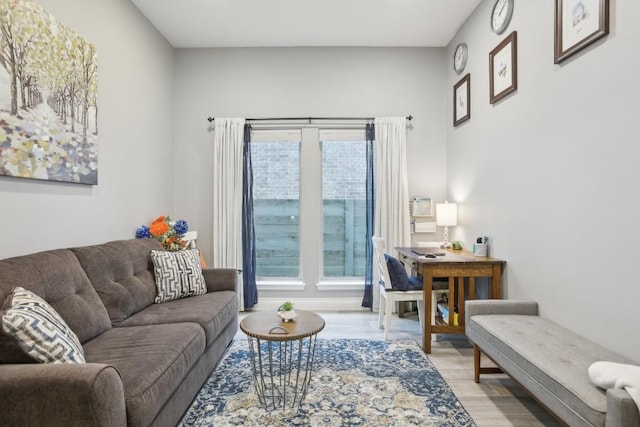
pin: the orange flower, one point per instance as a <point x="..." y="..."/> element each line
<point x="161" y="218"/>
<point x="158" y="228"/>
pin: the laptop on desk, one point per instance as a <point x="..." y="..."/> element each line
<point x="425" y="251"/>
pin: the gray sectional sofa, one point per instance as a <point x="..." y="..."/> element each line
<point x="549" y="361"/>
<point x="145" y="362"/>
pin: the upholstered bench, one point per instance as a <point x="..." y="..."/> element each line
<point x="549" y="361"/>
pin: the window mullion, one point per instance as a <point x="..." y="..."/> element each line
<point x="310" y="205"/>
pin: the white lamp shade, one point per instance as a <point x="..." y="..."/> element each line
<point x="446" y="214"/>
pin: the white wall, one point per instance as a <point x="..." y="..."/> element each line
<point x="135" y="180"/>
<point x="284" y="82"/>
<point x="551" y="172"/>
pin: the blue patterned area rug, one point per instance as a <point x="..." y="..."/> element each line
<point x="354" y="383"/>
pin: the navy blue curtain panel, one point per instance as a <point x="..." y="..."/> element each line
<point x="248" y="229"/>
<point x="367" y="301"/>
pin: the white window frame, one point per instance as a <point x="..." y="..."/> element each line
<point x="311" y="212"/>
<point x="282" y="135"/>
<point x="347" y="282"/>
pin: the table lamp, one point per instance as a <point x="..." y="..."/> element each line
<point x="446" y="215"/>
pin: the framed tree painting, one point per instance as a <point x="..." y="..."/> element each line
<point x="578" y="24"/>
<point x="462" y="100"/>
<point x="503" y="69"/>
<point x="48" y="97"/>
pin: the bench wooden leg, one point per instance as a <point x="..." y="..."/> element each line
<point x="476" y="363"/>
<point x="477" y="370"/>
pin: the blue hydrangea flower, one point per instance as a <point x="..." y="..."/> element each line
<point x="143" y="232"/>
<point x="181" y="227"/>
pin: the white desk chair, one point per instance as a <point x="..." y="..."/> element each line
<point x="190" y="238"/>
<point x="388" y="295"/>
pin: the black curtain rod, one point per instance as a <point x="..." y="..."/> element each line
<point x="309" y="119"/>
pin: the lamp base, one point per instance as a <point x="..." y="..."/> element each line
<point x="445" y="239"/>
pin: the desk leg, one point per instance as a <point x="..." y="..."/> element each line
<point x="496" y="281"/>
<point x="427" y="287"/>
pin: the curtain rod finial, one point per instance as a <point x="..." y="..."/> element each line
<point x="210" y="119"/>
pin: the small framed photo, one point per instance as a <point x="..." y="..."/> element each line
<point x="462" y="100"/>
<point x="578" y="24"/>
<point x="503" y="69"/>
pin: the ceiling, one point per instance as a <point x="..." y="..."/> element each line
<point x="279" y="23"/>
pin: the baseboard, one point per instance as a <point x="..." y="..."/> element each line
<point x="314" y="304"/>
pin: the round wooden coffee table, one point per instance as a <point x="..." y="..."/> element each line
<point x="281" y="355"/>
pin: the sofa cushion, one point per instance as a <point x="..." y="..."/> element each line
<point x="178" y="274"/>
<point x="547" y="356"/>
<point x="152" y="361"/>
<point x="38" y="329"/>
<point x="122" y="274"/>
<point x="58" y="278"/>
<point x="212" y="311"/>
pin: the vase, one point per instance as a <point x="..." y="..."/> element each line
<point x="287" y="316"/>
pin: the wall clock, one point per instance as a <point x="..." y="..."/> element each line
<point x="460" y="57"/>
<point x="501" y="15"/>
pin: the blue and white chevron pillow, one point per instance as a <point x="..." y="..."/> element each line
<point x="178" y="274"/>
<point x="38" y="329"/>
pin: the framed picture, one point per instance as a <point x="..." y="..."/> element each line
<point x="49" y="98"/>
<point x="462" y="100"/>
<point x="503" y="69"/>
<point x="578" y="24"/>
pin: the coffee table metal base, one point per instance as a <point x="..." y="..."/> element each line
<point x="282" y="370"/>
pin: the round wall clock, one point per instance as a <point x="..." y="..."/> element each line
<point x="460" y="57"/>
<point x="501" y="15"/>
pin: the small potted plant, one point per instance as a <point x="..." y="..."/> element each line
<point x="286" y="312"/>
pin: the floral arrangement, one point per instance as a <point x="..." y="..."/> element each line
<point x="166" y="231"/>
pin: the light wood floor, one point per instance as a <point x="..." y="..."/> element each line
<point x="497" y="401"/>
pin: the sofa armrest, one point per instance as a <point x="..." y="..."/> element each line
<point x="220" y="279"/>
<point x="499" y="306"/>
<point x="88" y="394"/>
<point x="622" y="411"/>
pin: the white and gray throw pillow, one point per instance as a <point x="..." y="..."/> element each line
<point x="178" y="274"/>
<point x="38" y="329"/>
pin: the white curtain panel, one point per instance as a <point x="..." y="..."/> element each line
<point x="391" y="188"/>
<point x="228" y="140"/>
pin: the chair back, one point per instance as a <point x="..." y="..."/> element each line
<point x="190" y="238"/>
<point x="379" y="247"/>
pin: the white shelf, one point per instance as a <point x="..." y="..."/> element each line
<point x="423" y="227"/>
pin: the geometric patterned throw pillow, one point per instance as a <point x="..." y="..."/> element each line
<point x="38" y="329"/>
<point x="178" y="274"/>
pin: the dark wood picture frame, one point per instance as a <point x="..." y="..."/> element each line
<point x="579" y="28"/>
<point x="462" y="100"/>
<point x="503" y="68"/>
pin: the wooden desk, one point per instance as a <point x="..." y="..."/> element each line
<point x="456" y="266"/>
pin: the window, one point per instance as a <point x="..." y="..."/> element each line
<point x="276" y="200"/>
<point x="309" y="205"/>
<point x="344" y="183"/>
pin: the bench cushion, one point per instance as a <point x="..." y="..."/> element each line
<point x="550" y="361"/>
